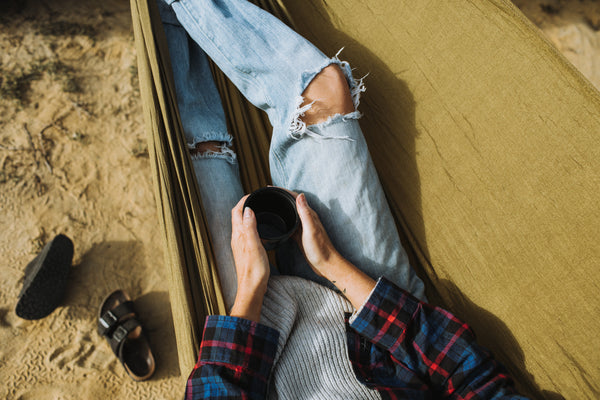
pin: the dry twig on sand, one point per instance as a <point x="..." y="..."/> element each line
<point x="32" y="145"/>
<point x="10" y="148"/>
<point x="41" y="149"/>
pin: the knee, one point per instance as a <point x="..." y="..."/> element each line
<point x="212" y="149"/>
<point x="202" y="148"/>
<point x="330" y="93"/>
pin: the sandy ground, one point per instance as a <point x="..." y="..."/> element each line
<point x="573" y="26"/>
<point x="74" y="160"/>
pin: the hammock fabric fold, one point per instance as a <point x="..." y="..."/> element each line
<point x="486" y="142"/>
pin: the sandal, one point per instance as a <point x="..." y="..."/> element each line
<point x="46" y="279"/>
<point x="118" y="324"/>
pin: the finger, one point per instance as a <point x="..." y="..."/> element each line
<point x="250" y="224"/>
<point x="249" y="218"/>
<point x="305" y="212"/>
<point x="236" y="212"/>
<point x="240" y="203"/>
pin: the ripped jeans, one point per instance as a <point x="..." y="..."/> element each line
<point x="272" y="66"/>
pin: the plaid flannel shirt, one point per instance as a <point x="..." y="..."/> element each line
<point x="404" y="348"/>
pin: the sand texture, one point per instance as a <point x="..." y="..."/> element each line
<point x="74" y="160"/>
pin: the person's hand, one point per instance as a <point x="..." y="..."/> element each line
<point x="313" y="239"/>
<point x="251" y="263"/>
<point x="326" y="261"/>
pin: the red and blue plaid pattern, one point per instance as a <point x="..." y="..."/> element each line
<point x="397" y="345"/>
<point x="402" y="347"/>
<point x="236" y="356"/>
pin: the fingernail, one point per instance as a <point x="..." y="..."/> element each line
<point x="247" y="212"/>
<point x="303" y="199"/>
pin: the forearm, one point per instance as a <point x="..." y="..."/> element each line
<point x="248" y="303"/>
<point x="351" y="281"/>
<point x="251" y="264"/>
<point x="433" y="343"/>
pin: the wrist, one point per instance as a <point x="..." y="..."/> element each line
<point x="335" y="267"/>
<point x="248" y="303"/>
<point x="354" y="284"/>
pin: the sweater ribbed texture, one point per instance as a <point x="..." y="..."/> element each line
<point x="312" y="354"/>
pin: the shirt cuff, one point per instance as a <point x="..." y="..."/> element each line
<point x="367" y="300"/>
<point x="239" y="342"/>
<point x="386" y="314"/>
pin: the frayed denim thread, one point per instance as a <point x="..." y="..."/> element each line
<point x="298" y="128"/>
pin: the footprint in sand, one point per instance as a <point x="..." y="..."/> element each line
<point x="80" y="353"/>
<point x="9" y="319"/>
<point x="3" y="320"/>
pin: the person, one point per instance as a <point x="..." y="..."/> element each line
<point x="343" y="315"/>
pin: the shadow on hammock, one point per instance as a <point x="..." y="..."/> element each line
<point x="491" y="332"/>
<point x="389" y="123"/>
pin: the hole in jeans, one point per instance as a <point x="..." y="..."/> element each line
<point x="329" y="94"/>
<point x="205" y="147"/>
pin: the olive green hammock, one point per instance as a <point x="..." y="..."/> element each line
<point x="487" y="144"/>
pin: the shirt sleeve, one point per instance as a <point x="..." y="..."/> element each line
<point x="235" y="361"/>
<point x="432" y="343"/>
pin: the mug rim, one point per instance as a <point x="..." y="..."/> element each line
<point x="271" y="243"/>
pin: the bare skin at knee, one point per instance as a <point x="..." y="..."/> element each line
<point x="331" y="94"/>
<point x="204" y="147"/>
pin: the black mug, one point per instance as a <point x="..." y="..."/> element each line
<point x="276" y="215"/>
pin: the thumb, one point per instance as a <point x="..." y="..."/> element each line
<point x="249" y="220"/>
<point x="304" y="211"/>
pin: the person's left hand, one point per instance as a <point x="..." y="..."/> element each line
<point x="251" y="263"/>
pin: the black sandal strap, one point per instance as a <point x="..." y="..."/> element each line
<point x="120" y="334"/>
<point x="110" y="319"/>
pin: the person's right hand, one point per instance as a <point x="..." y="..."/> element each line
<point x="314" y="241"/>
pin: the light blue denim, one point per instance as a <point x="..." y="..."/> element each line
<point x="272" y="66"/>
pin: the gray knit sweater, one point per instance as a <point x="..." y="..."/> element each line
<point x="312" y="355"/>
